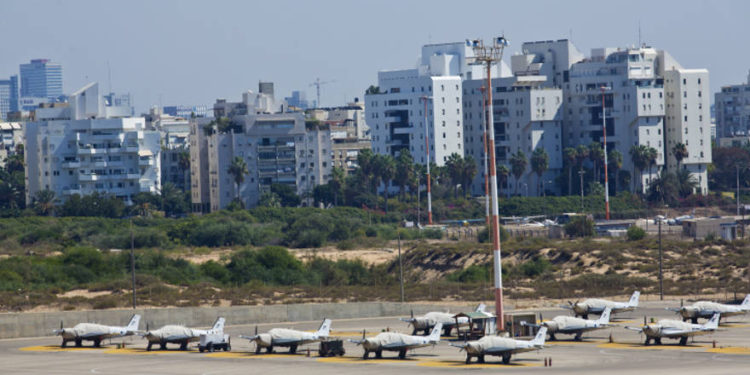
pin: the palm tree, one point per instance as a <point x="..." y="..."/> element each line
<point x="502" y="175"/>
<point x="337" y="181"/>
<point x="404" y="171"/>
<point x="614" y="163"/>
<point x="365" y="160"/>
<point x="680" y="152"/>
<point x="468" y="172"/>
<point x="238" y="170"/>
<point x="596" y="154"/>
<point x="651" y="155"/>
<point x="44" y="202"/>
<point x="640" y="161"/>
<point x="570" y="155"/>
<point x="384" y="167"/>
<point x="539" y="164"/>
<point x="454" y="166"/>
<point x="686" y="183"/>
<point x="518" y="163"/>
<point x="183" y="161"/>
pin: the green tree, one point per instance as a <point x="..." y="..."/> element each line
<point x="365" y="172"/>
<point x="183" y="161"/>
<point x="502" y="175"/>
<point x="582" y="153"/>
<point x="639" y="156"/>
<point x="44" y="202"/>
<point x="404" y="171"/>
<point x="384" y="170"/>
<point x="454" y="165"/>
<point x="337" y="183"/>
<point x="596" y="155"/>
<point x="269" y="199"/>
<point x="518" y="163"/>
<point x="238" y="169"/>
<point x="468" y="172"/>
<point x="539" y="164"/>
<point x="287" y="196"/>
<point x="614" y="163"/>
<point x="680" y="152"/>
<point x="570" y="156"/>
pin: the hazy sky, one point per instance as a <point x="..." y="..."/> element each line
<point x="192" y="52"/>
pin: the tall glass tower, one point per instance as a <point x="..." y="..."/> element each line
<point x="41" y="79"/>
<point x="8" y="96"/>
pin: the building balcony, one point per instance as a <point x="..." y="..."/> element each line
<point x="71" y="191"/>
<point x="114" y="150"/>
<point x="91" y="177"/>
<point x="130" y="149"/>
<point x="146" y="162"/>
<point x="71" y="164"/>
<point x="148" y="189"/>
<point x="92" y="151"/>
<point x="102" y="163"/>
<point x="131" y="176"/>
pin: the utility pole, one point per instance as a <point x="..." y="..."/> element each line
<point x="400" y="269"/>
<point x="489" y="55"/>
<point x="661" y="275"/>
<point x="427" y="150"/>
<point x="580" y="173"/>
<point x="132" y="259"/>
<point x="486" y="170"/>
<point x="606" y="175"/>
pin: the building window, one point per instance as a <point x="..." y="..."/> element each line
<point x="442" y="87"/>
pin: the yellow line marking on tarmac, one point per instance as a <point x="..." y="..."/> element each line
<point x="463" y="365"/>
<point x="249" y="355"/>
<point x="621" y="321"/>
<point x="137" y="351"/>
<point x="571" y="342"/>
<point x="733" y="325"/>
<point x="615" y="345"/>
<point x="730" y="350"/>
<point x="365" y="361"/>
<point x="58" y="348"/>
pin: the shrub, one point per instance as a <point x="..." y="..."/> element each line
<point x="636" y="233"/>
<point x="580" y="226"/>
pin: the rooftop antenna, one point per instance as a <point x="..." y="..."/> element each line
<point x="639" y="34"/>
<point x="109" y="77"/>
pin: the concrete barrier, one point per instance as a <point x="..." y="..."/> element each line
<point x="13" y="325"/>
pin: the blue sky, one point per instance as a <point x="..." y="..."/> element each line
<point x="192" y="52"/>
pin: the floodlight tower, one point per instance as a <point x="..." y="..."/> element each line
<point x="488" y="55"/>
<point x="604" y="134"/>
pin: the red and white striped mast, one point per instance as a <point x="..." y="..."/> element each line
<point x="486" y="170"/>
<point x="489" y="55"/>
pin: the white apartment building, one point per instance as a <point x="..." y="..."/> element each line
<point x="733" y="111"/>
<point x="349" y="132"/>
<point x="688" y="120"/>
<point x="527" y="116"/>
<point x="644" y="100"/>
<point x="174" y="132"/>
<point x="88" y="146"/>
<point x="278" y="148"/>
<point x="395" y="111"/>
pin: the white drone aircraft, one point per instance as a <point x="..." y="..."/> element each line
<point x="568" y="325"/>
<point x="706" y="309"/>
<point x="675" y="329"/>
<point x="397" y="342"/>
<point x="96" y="332"/>
<point x="176" y="334"/>
<point x="427" y="321"/>
<point x="596" y="306"/>
<point x="501" y="346"/>
<point x="288" y="337"/>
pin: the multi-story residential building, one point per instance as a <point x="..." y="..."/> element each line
<point x="85" y="146"/>
<point x="349" y="132"/>
<point x="277" y="147"/>
<point x="8" y="97"/>
<point x="187" y="111"/>
<point x="643" y="101"/>
<point x="175" y="153"/>
<point x="688" y="120"/>
<point x="527" y="116"/>
<point x="733" y="110"/>
<point x="395" y="108"/>
<point x="41" y="78"/>
<point x="11" y="135"/>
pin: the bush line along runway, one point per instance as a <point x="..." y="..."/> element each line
<point x="626" y="354"/>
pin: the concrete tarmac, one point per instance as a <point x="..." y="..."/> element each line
<point x="595" y="355"/>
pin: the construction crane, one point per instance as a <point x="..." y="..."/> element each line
<point x="317" y="85"/>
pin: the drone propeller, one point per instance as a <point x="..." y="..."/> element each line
<point x="256" y="330"/>
<point x="61" y="324"/>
